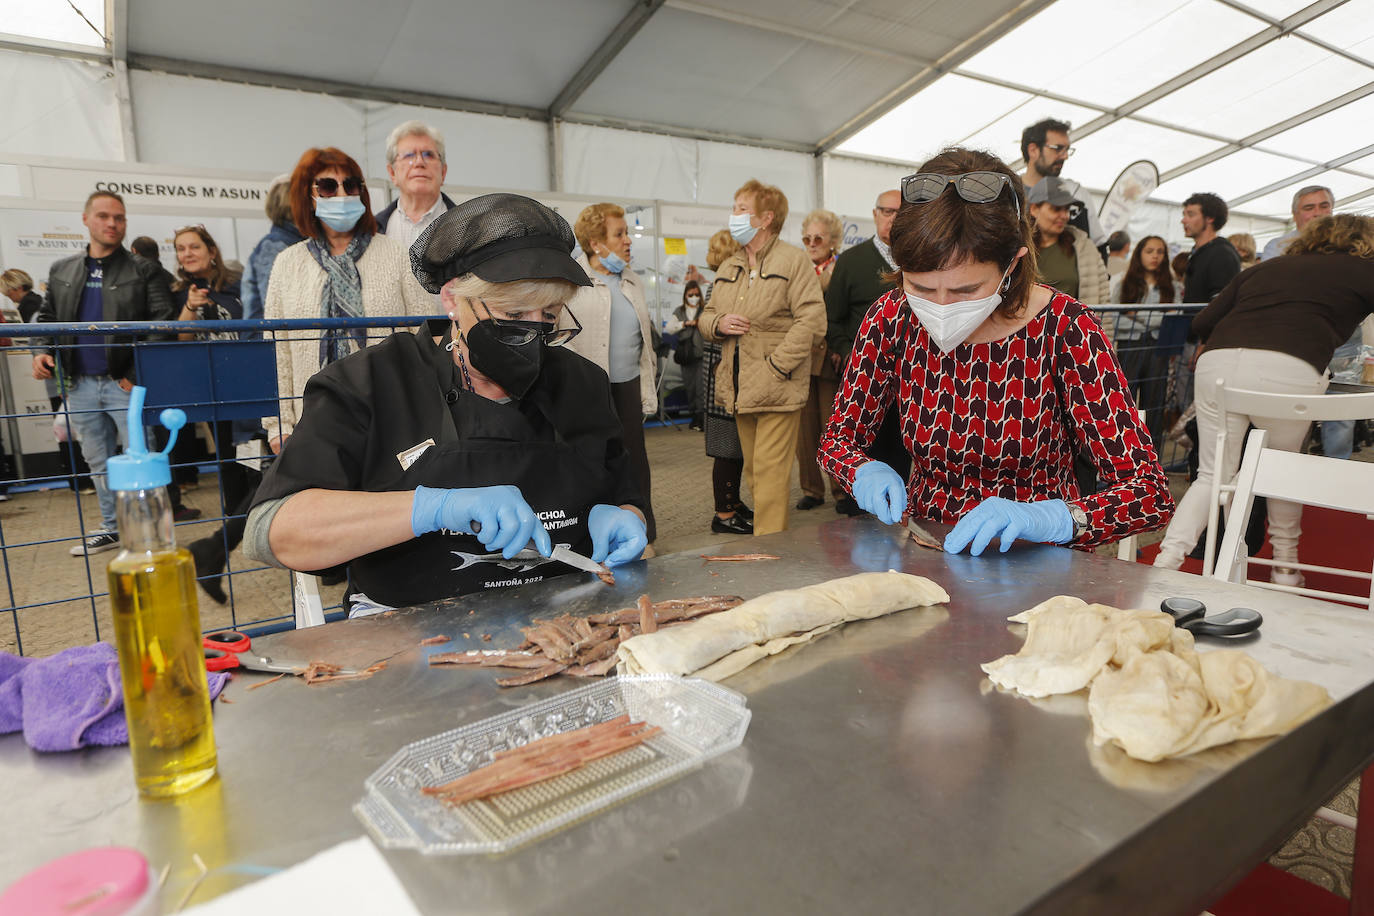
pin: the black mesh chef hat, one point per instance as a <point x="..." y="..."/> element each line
<point x="500" y="238"/>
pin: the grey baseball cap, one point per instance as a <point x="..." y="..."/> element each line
<point x="1052" y="191"/>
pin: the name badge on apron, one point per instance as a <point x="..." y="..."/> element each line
<point x="412" y="454"/>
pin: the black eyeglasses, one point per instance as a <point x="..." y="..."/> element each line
<point x="974" y="187"/>
<point x="328" y="187"/>
<point x="516" y="333"/>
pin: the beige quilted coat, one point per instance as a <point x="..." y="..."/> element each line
<point x="782" y="300"/>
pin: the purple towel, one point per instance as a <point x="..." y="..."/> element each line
<point x="69" y="700"/>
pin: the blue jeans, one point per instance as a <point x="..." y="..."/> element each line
<point x="1338" y="438"/>
<point x="99" y="417"/>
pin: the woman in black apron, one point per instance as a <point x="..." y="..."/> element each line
<point x="455" y="459"/>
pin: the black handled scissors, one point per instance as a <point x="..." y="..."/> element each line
<point x="1191" y="614"/>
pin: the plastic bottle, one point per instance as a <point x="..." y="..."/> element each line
<point x="157" y="622"/>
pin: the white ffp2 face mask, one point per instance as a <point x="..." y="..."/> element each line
<point x="951" y="325"/>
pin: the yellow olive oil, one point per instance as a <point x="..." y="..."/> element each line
<point x="162" y="666"/>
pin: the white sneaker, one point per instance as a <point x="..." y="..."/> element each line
<point x="1282" y="575"/>
<point x="96" y="542"/>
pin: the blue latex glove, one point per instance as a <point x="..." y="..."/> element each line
<point x="1047" y="521"/>
<point x="503" y="520"/>
<point x="878" y="489"/>
<point x="618" y="535"/>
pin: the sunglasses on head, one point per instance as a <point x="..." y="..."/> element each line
<point x="515" y="333"/>
<point x="328" y="187"/>
<point x="974" y="187"/>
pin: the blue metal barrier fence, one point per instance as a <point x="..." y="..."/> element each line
<point x="55" y="594"/>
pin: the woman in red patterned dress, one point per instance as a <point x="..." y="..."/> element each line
<point x="1000" y="381"/>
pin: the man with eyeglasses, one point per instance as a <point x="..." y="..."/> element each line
<point x="456" y="459"/>
<point x="106" y="283"/>
<point x="858" y="280"/>
<point x="1045" y="148"/>
<point x="416" y="165"/>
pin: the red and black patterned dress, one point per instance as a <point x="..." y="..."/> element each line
<point x="991" y="419"/>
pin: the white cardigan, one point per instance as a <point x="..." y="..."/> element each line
<point x="592" y="306"/>
<point x="389" y="289"/>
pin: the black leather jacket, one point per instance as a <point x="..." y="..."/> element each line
<point x="132" y="290"/>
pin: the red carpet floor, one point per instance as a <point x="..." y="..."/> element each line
<point x="1329" y="538"/>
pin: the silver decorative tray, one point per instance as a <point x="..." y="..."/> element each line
<point x="700" y="720"/>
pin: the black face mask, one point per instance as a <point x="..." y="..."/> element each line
<point x="513" y="366"/>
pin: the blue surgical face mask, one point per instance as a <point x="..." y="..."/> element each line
<point x="613" y="262"/>
<point x="742" y="229"/>
<point x="339" y="213"/>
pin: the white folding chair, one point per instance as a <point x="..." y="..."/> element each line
<point x="1332" y="483"/>
<point x="305" y="597"/>
<point x="1268" y="405"/>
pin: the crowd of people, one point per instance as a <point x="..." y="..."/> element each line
<point x="949" y="367"/>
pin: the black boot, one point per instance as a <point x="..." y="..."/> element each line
<point x="208" y="554"/>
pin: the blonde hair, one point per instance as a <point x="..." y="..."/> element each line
<point x="15" y="279"/>
<point x="720" y="247"/>
<point x="767" y="198"/>
<point x="591" y="224"/>
<point x="1244" y="243"/>
<point x="514" y="296"/>
<point x="277" y="206"/>
<point x="1344" y="233"/>
<point x="832" y="225"/>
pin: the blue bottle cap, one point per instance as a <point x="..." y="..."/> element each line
<point x="138" y="468"/>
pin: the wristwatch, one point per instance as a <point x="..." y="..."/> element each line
<point x="1080" y="521"/>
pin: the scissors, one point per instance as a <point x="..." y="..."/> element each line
<point x="1191" y="614"/>
<point x="230" y="649"/>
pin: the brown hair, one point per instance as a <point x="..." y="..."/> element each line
<point x="313" y="162"/>
<point x="1179" y="264"/>
<point x="96" y="195"/>
<point x="721" y="246"/>
<point x="948" y="230"/>
<point x="1065" y="240"/>
<point x="591" y="224"/>
<point x="767" y="198"/>
<point x="1343" y="233"/>
<point x="1133" y="283"/>
<point x="220" y="275"/>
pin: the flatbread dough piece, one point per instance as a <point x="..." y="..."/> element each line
<point x="1152" y="694"/>
<point x="1058" y="601"/>
<point x="1159" y="705"/>
<point x="726" y="643"/>
<point x="1068" y="644"/>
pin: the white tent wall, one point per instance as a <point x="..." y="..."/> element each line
<point x="613" y="162"/>
<point x="56" y="106"/>
<point x="481" y="150"/>
<point x="212" y="124"/>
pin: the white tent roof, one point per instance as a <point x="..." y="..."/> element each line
<point x="1250" y="100"/>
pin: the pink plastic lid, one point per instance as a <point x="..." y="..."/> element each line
<point x="105" y="881"/>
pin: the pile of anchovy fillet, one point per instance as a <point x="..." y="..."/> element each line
<point x="585" y="646"/>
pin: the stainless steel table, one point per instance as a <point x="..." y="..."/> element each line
<point x="880" y="772"/>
